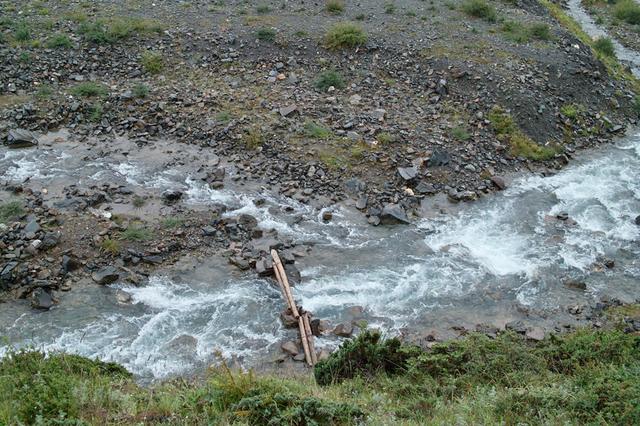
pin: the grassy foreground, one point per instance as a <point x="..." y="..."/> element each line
<point x="588" y="377"/>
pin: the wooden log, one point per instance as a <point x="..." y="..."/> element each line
<point x="312" y="348"/>
<point x="279" y="280"/>
<point x="305" y="342"/>
<point x="285" y="283"/>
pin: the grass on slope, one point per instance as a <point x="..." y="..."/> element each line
<point x="586" y="377"/>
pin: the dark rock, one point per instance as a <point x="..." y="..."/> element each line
<point x="637" y="220"/>
<point x="50" y="240"/>
<point x="393" y="214"/>
<point x="171" y="196"/>
<point x="516" y="326"/>
<point x="264" y="267"/>
<point x="239" y="262"/>
<point x="408" y="173"/>
<point x="6" y="275"/>
<point x="575" y="284"/>
<point x="425" y="188"/>
<point x="41" y="299"/>
<point x="293" y="274"/>
<point x="327" y="215"/>
<point x="499" y="182"/>
<point x="70" y="263"/>
<point x="106" y="275"/>
<point x="247" y="221"/>
<point x="343" y="330"/>
<point x="562" y="216"/>
<point x="21" y="138"/>
<point x="319" y="327"/>
<point x="152" y="260"/>
<point x="209" y="231"/>
<point x="488" y="330"/>
<point x="288" y="320"/>
<point x="439" y="158"/>
<point x="355" y="186"/>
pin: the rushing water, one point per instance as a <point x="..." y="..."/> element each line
<point x="501" y="258"/>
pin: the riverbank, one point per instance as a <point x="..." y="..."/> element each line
<point x="585" y="376"/>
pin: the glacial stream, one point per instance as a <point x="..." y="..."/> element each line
<point x="502" y="258"/>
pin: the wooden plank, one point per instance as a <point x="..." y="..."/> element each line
<point x="305" y="342"/>
<point x="285" y="283"/>
<point x="312" y="348"/>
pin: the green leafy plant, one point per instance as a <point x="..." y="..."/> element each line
<point x="345" y="35"/>
<point x="480" y="9"/>
<point x="140" y="90"/>
<point x="152" y="62"/>
<point x="11" y="210"/>
<point x="90" y="89"/>
<point x="266" y="34"/>
<point x="605" y="46"/>
<point x="59" y="41"/>
<point x="316" y="131"/>
<point x="335" y="7"/>
<point x="328" y="79"/>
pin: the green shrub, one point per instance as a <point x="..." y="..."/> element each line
<point x="571" y="111"/>
<point x="480" y="9"/>
<point x="628" y="11"/>
<point x="316" y="131"/>
<point x="140" y="90"/>
<point x="329" y="78"/>
<point x="605" y="46"/>
<point x="335" y="7"/>
<point x="22" y="32"/>
<point x="59" y="41"/>
<point x="266" y="34"/>
<point x="10" y="210"/>
<point x="263" y="9"/>
<point x="152" y="62"/>
<point x="540" y="31"/>
<point x="44" y="386"/>
<point x="389" y="8"/>
<point x="345" y="34"/>
<point x="460" y="133"/>
<point x="116" y="29"/>
<point x="90" y="89"/>
<point x="367" y="355"/>
<point x="136" y="233"/>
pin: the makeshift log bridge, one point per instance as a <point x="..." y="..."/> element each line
<point x="304" y="325"/>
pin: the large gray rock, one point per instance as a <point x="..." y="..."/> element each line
<point x="393" y="214"/>
<point x="439" y="158"/>
<point x="21" y="138"/>
<point x="407" y="173"/>
<point x="106" y="275"/>
<point x="41" y="299"/>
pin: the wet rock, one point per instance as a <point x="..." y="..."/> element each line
<point x="393" y="214"/>
<point x="290" y="348"/>
<point x="361" y="204"/>
<point x="247" y="221"/>
<point x="343" y="330"/>
<point x="637" y="220"/>
<point x="293" y="274"/>
<point x="184" y="341"/>
<point x="499" y="182"/>
<point x="575" y="284"/>
<point x="288" y="320"/>
<point x="516" y="326"/>
<point x="21" y="138"/>
<point x="562" y="216"/>
<point x="239" y="262"/>
<point x="123" y="297"/>
<point x="264" y="267"/>
<point x="41" y="299"/>
<point x="319" y="327"/>
<point x="355" y="312"/>
<point x="439" y="158"/>
<point x="106" y="275"/>
<point x="32" y="226"/>
<point x="171" y="196"/>
<point x="327" y="215"/>
<point x="408" y="173"/>
<point x="374" y="220"/>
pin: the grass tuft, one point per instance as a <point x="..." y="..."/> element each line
<point x="266" y="34"/>
<point x="605" y="46"/>
<point x="316" y="131"/>
<point x="90" y="89"/>
<point x="59" y="41"/>
<point x="152" y="62"/>
<point x="345" y="35"/>
<point x="328" y="79"/>
<point x="335" y="7"/>
<point x="11" y="210"/>
<point x="480" y="9"/>
<point x="628" y="11"/>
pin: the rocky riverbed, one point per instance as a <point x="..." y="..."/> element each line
<point x="155" y="153"/>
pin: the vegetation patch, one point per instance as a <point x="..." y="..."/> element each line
<point x="136" y="233"/>
<point x="152" y="62"/>
<point x="117" y="29"/>
<point x="266" y="34"/>
<point x="335" y="7"/>
<point x="140" y="90"/>
<point x="628" y="11"/>
<point x="90" y="89"/>
<point x="521" y="145"/>
<point x="316" y="131"/>
<point x="59" y="41"/>
<point x="480" y="9"/>
<point x="604" y="45"/>
<point x="345" y="35"/>
<point x="330" y="78"/>
<point x="11" y="210"/>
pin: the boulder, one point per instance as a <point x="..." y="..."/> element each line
<point x="41" y="299"/>
<point x="247" y="221"/>
<point x="393" y="214"/>
<point x="21" y="138"/>
<point x="499" y="182"/>
<point x="408" y="173"/>
<point x="293" y="274"/>
<point x="439" y="158"/>
<point x="171" y="196"/>
<point x="344" y="329"/>
<point x="106" y="275"/>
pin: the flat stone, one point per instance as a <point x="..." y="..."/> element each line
<point x="393" y="214"/>
<point x="408" y="173"/>
<point x="343" y="330"/>
<point x="106" y="275"/>
<point x="21" y="138"/>
<point x="288" y="110"/>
